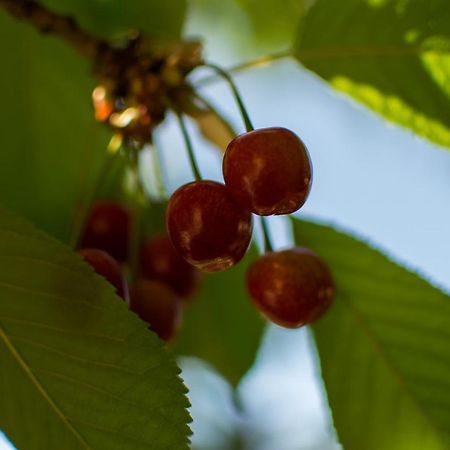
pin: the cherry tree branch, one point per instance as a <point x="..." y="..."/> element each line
<point x="48" y="22"/>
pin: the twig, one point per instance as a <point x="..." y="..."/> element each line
<point x="48" y="22"/>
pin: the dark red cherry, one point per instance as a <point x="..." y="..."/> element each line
<point x="292" y="287"/>
<point x="268" y="171"/>
<point x="107" y="228"/>
<point x="207" y="227"/>
<point x="160" y="261"/>
<point x="106" y="266"/>
<point x="158" y="305"/>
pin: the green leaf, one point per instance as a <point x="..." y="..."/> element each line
<point x="78" y="370"/>
<point x="271" y="24"/>
<point x="384" y="348"/>
<point x="374" y="50"/>
<point x="157" y="18"/>
<point x="221" y="326"/>
<point x="249" y="26"/>
<point x="51" y="148"/>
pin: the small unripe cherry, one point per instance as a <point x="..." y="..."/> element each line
<point x="207" y="227"/>
<point x="106" y="266"/>
<point x="268" y="171"/>
<point x="158" y="305"/>
<point x="291" y="287"/>
<point x="107" y="228"/>
<point x="160" y="261"/>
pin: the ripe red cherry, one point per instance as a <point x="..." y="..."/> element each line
<point x="268" y="171"/>
<point x="107" y="228"/>
<point x="158" y="305"/>
<point x="292" y="287"/>
<point x="106" y="266"/>
<point x="160" y="261"/>
<point x="207" y="227"/>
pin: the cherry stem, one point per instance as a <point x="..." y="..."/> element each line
<point x="259" y="62"/>
<point x="265" y="230"/>
<point x="227" y="77"/>
<point x="189" y="147"/>
<point x="80" y="221"/>
<point x="134" y="237"/>
<point x="159" y="178"/>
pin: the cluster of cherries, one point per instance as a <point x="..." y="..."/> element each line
<point x="209" y="228"/>
<point x="166" y="282"/>
<point x="209" y="224"/>
<point x="266" y="172"/>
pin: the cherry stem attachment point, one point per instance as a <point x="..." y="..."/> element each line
<point x="266" y="238"/>
<point x="189" y="146"/>
<point x="227" y="77"/>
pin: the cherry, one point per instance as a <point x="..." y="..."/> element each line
<point x="158" y="305"/>
<point x="207" y="227"/>
<point x="292" y="287"/>
<point x="268" y="171"/>
<point x="106" y="266"/>
<point x="107" y="228"/>
<point x="160" y="261"/>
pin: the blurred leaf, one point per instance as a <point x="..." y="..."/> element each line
<point x="384" y="348"/>
<point x="249" y="26"/>
<point x="373" y="50"/>
<point x="78" y="370"/>
<point x="221" y="326"/>
<point x="158" y="18"/>
<point x="273" y="23"/>
<point x="51" y="148"/>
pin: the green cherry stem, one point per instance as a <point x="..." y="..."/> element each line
<point x="139" y="196"/>
<point x="81" y="218"/>
<point x="158" y="172"/>
<point x="189" y="146"/>
<point x="266" y="239"/>
<point x="227" y="77"/>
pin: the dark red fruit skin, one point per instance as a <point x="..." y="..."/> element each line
<point x="158" y="305"/>
<point x="292" y="287"/>
<point x="268" y="171"/>
<point x="107" y="228"/>
<point x="106" y="266"/>
<point x="207" y="227"/>
<point x="160" y="261"/>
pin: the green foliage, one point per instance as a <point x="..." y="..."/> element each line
<point x="272" y="24"/>
<point x="51" y="148"/>
<point x="375" y="51"/>
<point x="221" y="326"/>
<point x="250" y="26"/>
<point x="160" y="19"/>
<point x="78" y="370"/>
<point x="383" y="348"/>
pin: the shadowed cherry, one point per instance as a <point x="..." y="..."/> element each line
<point x="268" y="171"/>
<point x="106" y="266"/>
<point x="160" y="261"/>
<point x="107" y="228"/>
<point x="291" y="287"/>
<point x="158" y="305"/>
<point x="207" y="227"/>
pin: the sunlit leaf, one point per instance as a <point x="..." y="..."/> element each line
<point x="375" y="51"/>
<point x="384" y="348"/>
